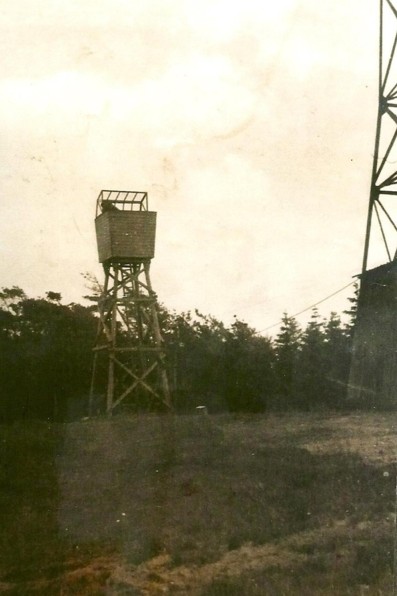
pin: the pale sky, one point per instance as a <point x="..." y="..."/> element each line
<point x="250" y="124"/>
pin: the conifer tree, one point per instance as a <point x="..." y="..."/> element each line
<point x="311" y="364"/>
<point x="352" y="311"/>
<point x="337" y="359"/>
<point x="287" y="345"/>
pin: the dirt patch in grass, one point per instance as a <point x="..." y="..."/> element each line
<point x="199" y="505"/>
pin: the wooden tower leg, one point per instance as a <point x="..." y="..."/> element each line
<point x="112" y="344"/>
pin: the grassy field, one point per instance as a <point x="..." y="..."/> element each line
<point x="202" y="505"/>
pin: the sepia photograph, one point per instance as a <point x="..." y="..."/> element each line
<point x="198" y="297"/>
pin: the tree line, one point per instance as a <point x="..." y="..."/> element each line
<point x="46" y="349"/>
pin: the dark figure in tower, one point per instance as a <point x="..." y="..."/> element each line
<point x="108" y="206"/>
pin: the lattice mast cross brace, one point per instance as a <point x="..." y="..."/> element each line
<point x="129" y="338"/>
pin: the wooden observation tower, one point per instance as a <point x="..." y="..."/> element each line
<point x="373" y="373"/>
<point x="129" y="337"/>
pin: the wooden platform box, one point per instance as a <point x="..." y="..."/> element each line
<point x="125" y="235"/>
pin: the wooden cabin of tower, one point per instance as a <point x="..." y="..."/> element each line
<point x="125" y="228"/>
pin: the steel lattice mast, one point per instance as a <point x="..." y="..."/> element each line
<point x="383" y="190"/>
<point x="373" y="371"/>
